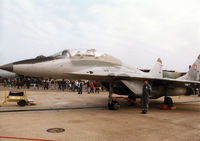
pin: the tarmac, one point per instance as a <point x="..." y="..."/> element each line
<point x="86" y="118"/>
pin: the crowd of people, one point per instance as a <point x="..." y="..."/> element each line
<point x="52" y="84"/>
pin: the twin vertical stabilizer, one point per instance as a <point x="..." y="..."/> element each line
<point x="157" y="71"/>
<point x="194" y="72"/>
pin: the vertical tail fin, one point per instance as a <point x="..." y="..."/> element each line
<point x="157" y="71"/>
<point x="194" y="71"/>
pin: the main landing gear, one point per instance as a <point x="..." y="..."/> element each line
<point x="168" y="101"/>
<point x="112" y="104"/>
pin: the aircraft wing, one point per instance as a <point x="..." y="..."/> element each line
<point x="103" y="74"/>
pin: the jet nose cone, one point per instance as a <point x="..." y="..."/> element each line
<point x="7" y="67"/>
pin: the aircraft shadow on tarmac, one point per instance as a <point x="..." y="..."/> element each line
<point x="186" y="106"/>
<point x="189" y="106"/>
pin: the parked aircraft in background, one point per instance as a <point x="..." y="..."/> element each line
<point x="7" y="74"/>
<point x="115" y="76"/>
<point x="172" y="74"/>
<point x="168" y="73"/>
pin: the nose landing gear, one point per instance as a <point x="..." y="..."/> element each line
<point x="114" y="105"/>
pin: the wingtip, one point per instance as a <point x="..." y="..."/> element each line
<point x="159" y="60"/>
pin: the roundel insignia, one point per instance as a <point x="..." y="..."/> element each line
<point x="195" y="67"/>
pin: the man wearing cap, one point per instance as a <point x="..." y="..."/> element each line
<point x="145" y="97"/>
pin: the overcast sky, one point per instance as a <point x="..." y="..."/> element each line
<point x="135" y="31"/>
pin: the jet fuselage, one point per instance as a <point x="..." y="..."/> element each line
<point x="100" y="67"/>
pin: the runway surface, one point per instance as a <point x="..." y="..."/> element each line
<point x="86" y="118"/>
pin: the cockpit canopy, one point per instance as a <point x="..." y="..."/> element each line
<point x="72" y="53"/>
<point x="90" y="54"/>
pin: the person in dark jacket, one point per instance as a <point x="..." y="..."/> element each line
<point x="145" y="97"/>
<point x="80" y="87"/>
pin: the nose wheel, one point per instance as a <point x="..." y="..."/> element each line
<point x="114" y="105"/>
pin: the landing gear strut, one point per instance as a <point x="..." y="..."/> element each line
<point x="168" y="101"/>
<point x="112" y="104"/>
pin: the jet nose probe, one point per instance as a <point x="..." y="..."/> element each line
<point x="7" y="67"/>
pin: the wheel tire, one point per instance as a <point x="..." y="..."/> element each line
<point x="115" y="105"/>
<point x="110" y="107"/>
<point x="21" y="103"/>
<point x="168" y="101"/>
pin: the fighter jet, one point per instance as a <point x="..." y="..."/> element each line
<point x="117" y="77"/>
